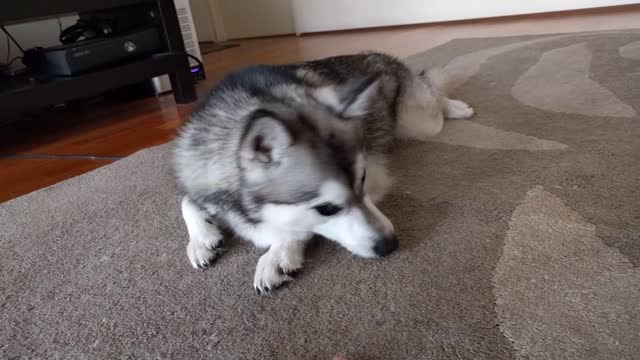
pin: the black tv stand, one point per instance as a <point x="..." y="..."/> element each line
<point x="19" y="96"/>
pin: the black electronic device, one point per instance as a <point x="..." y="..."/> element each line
<point x="106" y="23"/>
<point x="84" y="56"/>
<point x="26" y="91"/>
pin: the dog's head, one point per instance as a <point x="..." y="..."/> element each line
<point x="303" y="161"/>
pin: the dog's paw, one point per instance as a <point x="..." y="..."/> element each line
<point x="203" y="251"/>
<point x="291" y="262"/>
<point x="270" y="273"/>
<point x="456" y="109"/>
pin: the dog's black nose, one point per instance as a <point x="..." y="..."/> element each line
<point x="386" y="246"/>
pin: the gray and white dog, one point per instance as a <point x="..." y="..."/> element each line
<point x="281" y="153"/>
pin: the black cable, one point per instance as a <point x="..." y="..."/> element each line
<point x="8" y="50"/>
<point x="12" y="39"/>
<point x="13" y="60"/>
<point x="61" y="31"/>
<point x="200" y="64"/>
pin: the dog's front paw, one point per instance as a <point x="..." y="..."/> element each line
<point x="291" y="261"/>
<point x="270" y="274"/>
<point x="203" y="251"/>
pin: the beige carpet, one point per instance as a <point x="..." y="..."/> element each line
<point x="519" y="235"/>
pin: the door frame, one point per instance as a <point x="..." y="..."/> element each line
<point x="219" y="32"/>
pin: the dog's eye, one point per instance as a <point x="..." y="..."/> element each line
<point x="327" y="209"/>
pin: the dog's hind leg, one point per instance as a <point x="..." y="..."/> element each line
<point x="419" y="112"/>
<point x="442" y="83"/>
<point x="418" y="124"/>
<point x="204" y="235"/>
<point x="457" y="109"/>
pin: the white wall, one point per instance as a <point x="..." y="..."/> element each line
<point x="40" y="33"/>
<point x="202" y="19"/>
<point x="254" y="18"/>
<point x="326" y="15"/>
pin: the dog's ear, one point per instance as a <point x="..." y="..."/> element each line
<point x="264" y="140"/>
<point x="350" y="99"/>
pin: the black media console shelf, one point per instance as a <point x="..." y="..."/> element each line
<point x="32" y="95"/>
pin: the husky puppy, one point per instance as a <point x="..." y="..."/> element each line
<point x="279" y="154"/>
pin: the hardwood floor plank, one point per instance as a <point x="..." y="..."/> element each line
<point x="22" y="176"/>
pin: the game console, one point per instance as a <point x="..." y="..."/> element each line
<point x="84" y="56"/>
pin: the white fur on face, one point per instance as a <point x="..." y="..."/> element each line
<point x="274" y="229"/>
<point x="302" y="217"/>
<point x="333" y="192"/>
<point x="299" y="217"/>
<point x="359" y="169"/>
<point x="357" y="228"/>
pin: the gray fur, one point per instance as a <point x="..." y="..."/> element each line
<point x="207" y="147"/>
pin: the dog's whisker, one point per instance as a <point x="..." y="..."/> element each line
<point x="351" y="256"/>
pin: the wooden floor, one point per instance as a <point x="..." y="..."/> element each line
<point x="39" y="150"/>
